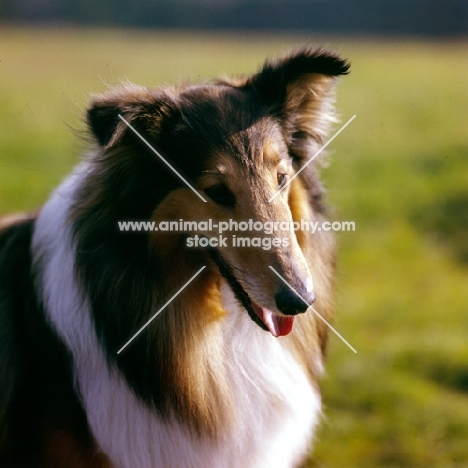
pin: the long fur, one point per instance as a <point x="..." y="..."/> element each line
<point x="206" y="384"/>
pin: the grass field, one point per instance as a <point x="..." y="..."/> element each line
<point x="400" y="171"/>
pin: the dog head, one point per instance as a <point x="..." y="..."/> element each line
<point x="238" y="143"/>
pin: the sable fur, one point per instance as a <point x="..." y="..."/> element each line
<point x="76" y="294"/>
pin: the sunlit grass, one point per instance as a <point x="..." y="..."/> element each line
<point x="399" y="171"/>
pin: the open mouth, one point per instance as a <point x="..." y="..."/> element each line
<point x="263" y="317"/>
<point x="276" y="324"/>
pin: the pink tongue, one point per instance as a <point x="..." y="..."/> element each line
<point x="278" y="326"/>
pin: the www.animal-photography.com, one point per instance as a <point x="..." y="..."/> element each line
<point x="233" y="234"/>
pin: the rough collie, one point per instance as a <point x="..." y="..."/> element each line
<point x="225" y="376"/>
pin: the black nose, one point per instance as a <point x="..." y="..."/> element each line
<point x="289" y="303"/>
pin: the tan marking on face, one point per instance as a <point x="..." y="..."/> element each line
<point x="297" y="199"/>
<point x="271" y="152"/>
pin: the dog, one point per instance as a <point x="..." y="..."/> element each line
<point x="226" y="374"/>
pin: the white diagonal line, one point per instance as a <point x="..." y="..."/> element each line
<point x="161" y="309"/>
<point x="160" y="157"/>
<point x="314" y="311"/>
<point x="312" y="158"/>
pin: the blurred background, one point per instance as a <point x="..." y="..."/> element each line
<point x="399" y="170"/>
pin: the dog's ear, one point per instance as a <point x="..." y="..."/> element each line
<point x="299" y="89"/>
<point x="139" y="106"/>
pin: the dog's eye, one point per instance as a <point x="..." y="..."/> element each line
<point x="221" y="195"/>
<point x="282" y="178"/>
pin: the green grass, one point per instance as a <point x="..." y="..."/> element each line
<point x="399" y="171"/>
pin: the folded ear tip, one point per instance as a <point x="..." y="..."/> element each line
<point x="273" y="80"/>
<point x="155" y="109"/>
<point x="318" y="60"/>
